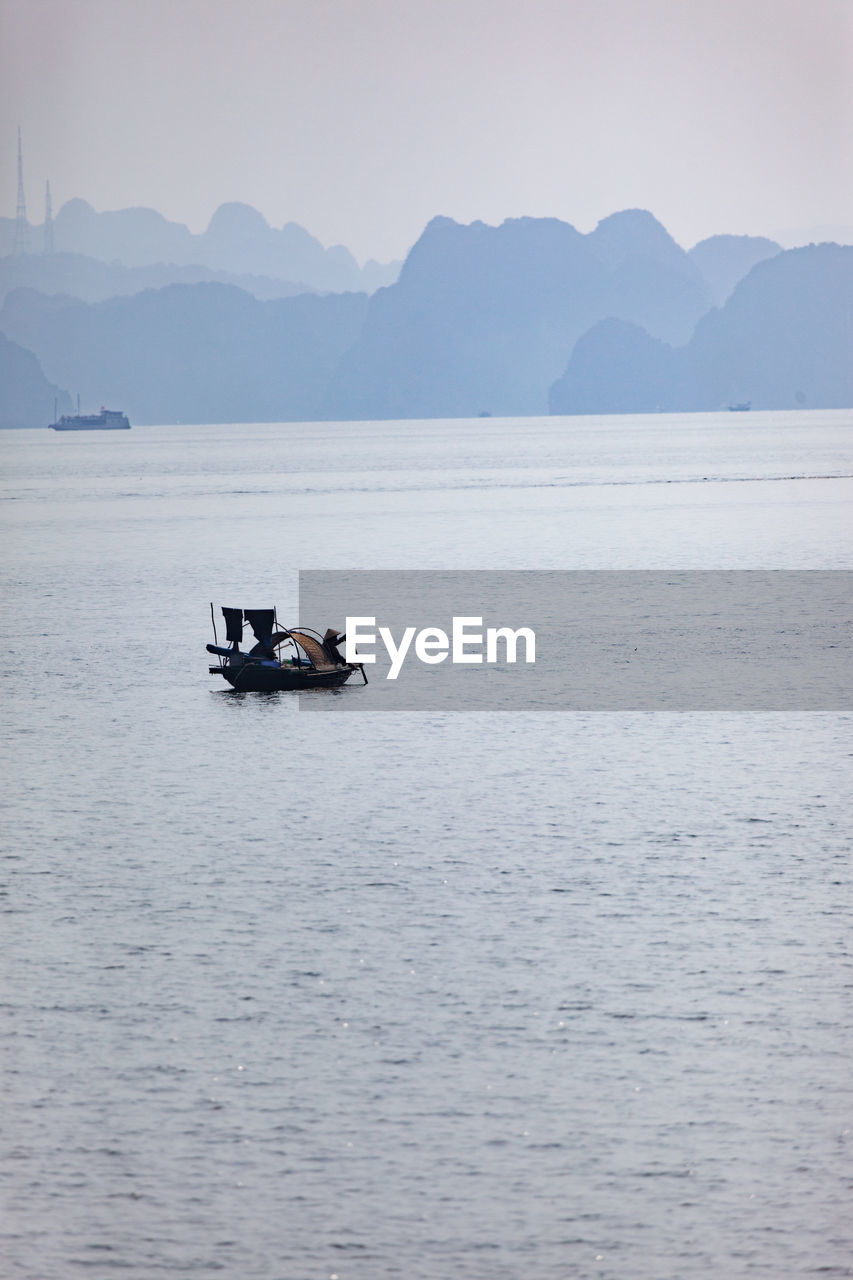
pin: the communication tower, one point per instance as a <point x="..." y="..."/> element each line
<point x="22" y="227"/>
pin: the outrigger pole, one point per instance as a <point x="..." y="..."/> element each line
<point x="215" y="636"/>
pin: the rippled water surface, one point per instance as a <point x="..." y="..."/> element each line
<point x="481" y="997"/>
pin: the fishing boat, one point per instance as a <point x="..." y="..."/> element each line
<point x="293" y="659"/>
<point x="106" y="420"/>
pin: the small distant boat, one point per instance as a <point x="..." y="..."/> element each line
<point x="106" y="420"/>
<point x="743" y="407"/>
<point x="281" y="659"/>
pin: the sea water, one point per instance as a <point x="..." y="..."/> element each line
<point x="482" y="996"/>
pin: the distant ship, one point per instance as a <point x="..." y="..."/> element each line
<point x="106" y="420"/>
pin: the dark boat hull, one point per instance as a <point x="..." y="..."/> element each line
<point x="254" y="678"/>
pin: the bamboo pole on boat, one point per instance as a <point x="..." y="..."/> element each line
<point x="215" y="637"/>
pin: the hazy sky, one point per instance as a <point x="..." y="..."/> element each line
<point x="361" y="119"/>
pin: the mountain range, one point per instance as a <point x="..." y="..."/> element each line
<point x="482" y="318"/>
<point x="238" y="241"/>
<point x="91" y="280"/>
<point x="783" y="339"/>
<point x="524" y="318"/>
<point x="191" y="353"/>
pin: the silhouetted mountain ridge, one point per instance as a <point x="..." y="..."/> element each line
<point x="783" y="339"/>
<point x="724" y="260"/>
<point x="482" y="318"/>
<point x="28" y="399"/>
<point x="238" y="240"/>
<point x="191" y="353"/>
<point x="91" y="280"/>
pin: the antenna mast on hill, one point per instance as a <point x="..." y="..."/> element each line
<point x="48" y="219"/>
<point x="22" y="227"/>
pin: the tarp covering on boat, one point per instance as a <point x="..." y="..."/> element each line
<point x="314" y="649"/>
<point x="233" y="624"/>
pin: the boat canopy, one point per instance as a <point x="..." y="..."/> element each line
<point x="314" y="649"/>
